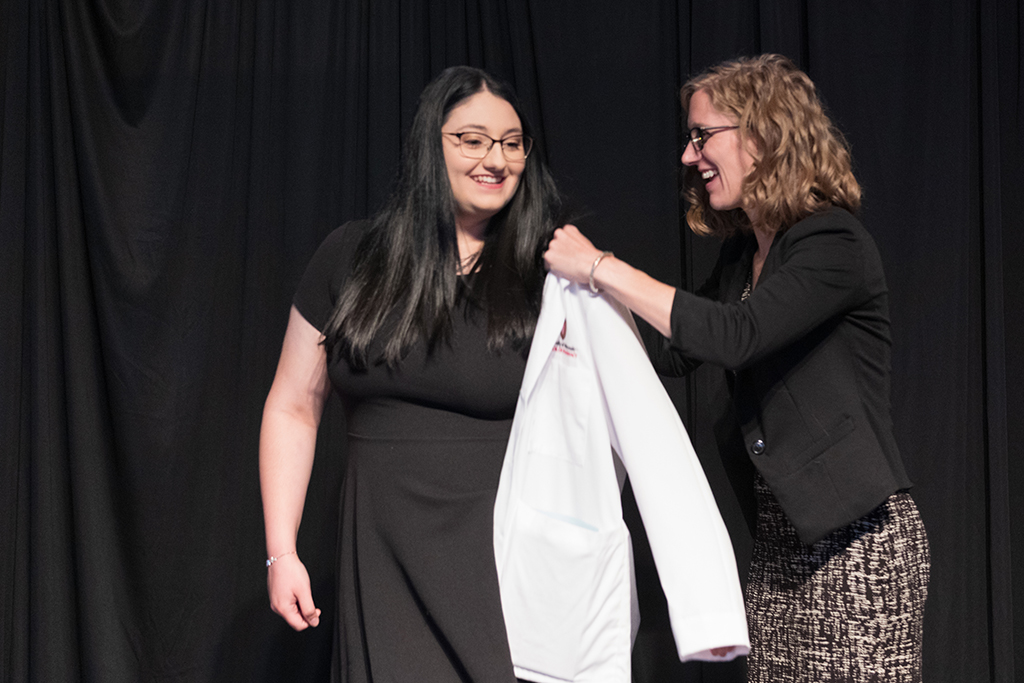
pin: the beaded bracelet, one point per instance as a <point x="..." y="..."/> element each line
<point x="271" y="560"/>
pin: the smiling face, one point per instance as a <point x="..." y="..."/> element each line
<point x="725" y="160"/>
<point x="481" y="187"/>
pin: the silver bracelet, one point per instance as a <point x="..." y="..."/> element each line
<point x="593" y="287"/>
<point x="271" y="560"/>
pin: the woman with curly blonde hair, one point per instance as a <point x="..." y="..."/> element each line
<point x="796" y="312"/>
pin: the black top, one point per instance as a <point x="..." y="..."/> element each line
<point x="417" y="583"/>
<point x="808" y="355"/>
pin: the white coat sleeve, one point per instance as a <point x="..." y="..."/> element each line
<point x="688" y="538"/>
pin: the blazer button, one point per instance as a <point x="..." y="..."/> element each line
<point x="757" y="448"/>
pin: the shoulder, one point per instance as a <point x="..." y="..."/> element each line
<point x="327" y="272"/>
<point x="833" y="221"/>
<point x="336" y="255"/>
<point x="341" y="243"/>
<point x="835" y="241"/>
<point x="830" y="230"/>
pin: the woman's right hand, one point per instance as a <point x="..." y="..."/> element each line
<point x="570" y="254"/>
<point x="290" y="594"/>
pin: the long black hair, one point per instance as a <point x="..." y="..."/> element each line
<point x="406" y="266"/>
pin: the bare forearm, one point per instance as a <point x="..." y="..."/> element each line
<point x="287" y="446"/>
<point x="639" y="292"/>
<point x="291" y="418"/>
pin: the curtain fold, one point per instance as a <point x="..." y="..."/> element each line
<point x="1000" y="125"/>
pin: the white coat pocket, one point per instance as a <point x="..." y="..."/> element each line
<point x="559" y="576"/>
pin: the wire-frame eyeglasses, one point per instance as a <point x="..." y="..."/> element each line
<point x="477" y="145"/>
<point x="699" y="136"/>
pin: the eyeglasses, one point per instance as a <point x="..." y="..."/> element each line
<point x="699" y="136"/>
<point x="478" y="145"/>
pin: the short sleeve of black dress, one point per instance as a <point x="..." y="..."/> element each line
<point x="417" y="585"/>
<point x="326" y="273"/>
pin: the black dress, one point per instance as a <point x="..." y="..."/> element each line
<point x="417" y="584"/>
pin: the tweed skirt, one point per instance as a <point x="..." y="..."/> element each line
<point x="848" y="608"/>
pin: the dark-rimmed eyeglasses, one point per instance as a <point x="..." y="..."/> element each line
<point x="699" y="136"/>
<point x="477" y="145"/>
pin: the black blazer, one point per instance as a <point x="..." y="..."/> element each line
<point x="808" y="365"/>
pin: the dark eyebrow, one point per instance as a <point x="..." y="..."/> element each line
<point x="483" y="129"/>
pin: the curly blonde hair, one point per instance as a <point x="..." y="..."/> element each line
<point x="802" y="161"/>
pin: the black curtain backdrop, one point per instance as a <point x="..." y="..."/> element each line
<point x="167" y="169"/>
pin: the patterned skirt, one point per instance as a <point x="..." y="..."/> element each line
<point x="849" y="608"/>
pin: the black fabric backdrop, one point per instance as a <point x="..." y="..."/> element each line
<point x="168" y="168"/>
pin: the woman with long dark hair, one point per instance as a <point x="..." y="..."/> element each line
<point x="420" y="319"/>
<point x="796" y="312"/>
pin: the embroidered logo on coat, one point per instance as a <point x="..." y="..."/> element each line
<point x="560" y="345"/>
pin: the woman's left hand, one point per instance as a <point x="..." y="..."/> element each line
<point x="570" y="254"/>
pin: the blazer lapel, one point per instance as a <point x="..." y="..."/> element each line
<point x="771" y="262"/>
<point x="735" y="274"/>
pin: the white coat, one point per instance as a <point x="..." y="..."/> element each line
<point x="563" y="552"/>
